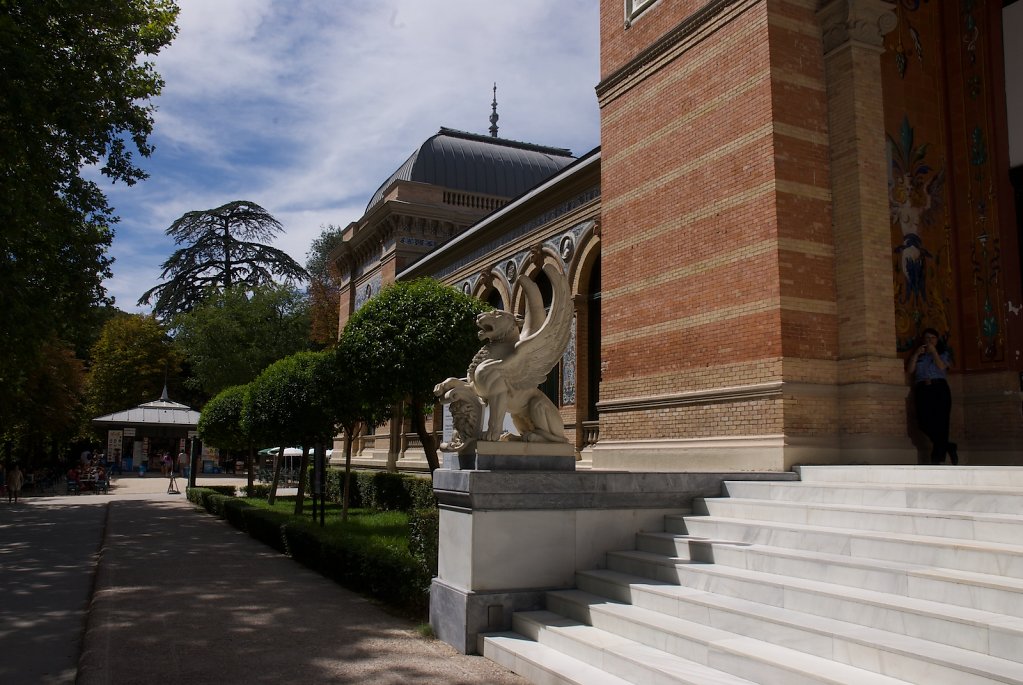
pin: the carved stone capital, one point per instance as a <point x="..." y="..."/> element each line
<point x="859" y="21"/>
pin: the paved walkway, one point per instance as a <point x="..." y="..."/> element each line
<point x="137" y="586"/>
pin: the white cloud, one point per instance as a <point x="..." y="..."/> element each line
<point x="306" y="106"/>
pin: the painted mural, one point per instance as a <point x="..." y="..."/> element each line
<point x="922" y="265"/>
<point x="946" y="251"/>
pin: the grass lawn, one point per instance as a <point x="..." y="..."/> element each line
<point x="386" y="528"/>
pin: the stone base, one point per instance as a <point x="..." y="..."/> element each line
<point x="514" y="456"/>
<point x="458" y="617"/>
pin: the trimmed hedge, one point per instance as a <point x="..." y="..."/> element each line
<point x="424" y="536"/>
<point x="382" y="490"/>
<point x="390" y="574"/>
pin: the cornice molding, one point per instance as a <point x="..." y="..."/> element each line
<point x="713" y="396"/>
<point x="865" y="22"/>
<point x="678" y="40"/>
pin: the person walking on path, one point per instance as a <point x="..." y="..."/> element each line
<point x="15" y="479"/>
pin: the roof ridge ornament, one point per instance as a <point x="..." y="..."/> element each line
<point x="493" y="114"/>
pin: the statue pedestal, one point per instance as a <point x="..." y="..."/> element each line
<point x="506" y="537"/>
<point x="514" y="456"/>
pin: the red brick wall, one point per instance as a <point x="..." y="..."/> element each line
<point x="717" y="249"/>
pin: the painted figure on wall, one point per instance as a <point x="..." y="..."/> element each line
<point x="916" y="202"/>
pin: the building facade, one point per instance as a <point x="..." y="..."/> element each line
<point x="786" y="194"/>
<point x="451" y="181"/>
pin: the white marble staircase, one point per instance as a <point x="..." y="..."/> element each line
<point x="853" y="574"/>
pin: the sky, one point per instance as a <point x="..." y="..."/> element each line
<point x="306" y="106"/>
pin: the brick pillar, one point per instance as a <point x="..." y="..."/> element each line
<point x="870" y="375"/>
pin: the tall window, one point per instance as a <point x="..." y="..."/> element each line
<point x="552" y="386"/>
<point x="633" y="8"/>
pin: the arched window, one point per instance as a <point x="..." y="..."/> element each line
<point x="552" y="386"/>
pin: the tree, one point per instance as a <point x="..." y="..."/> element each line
<point x="223" y="252"/>
<point x="220" y="424"/>
<point x="131" y="361"/>
<point x="350" y="400"/>
<point x="324" y="286"/>
<point x="50" y="410"/>
<point x="283" y="406"/>
<point x="229" y="338"/>
<point x="74" y="92"/>
<point x="408" y="338"/>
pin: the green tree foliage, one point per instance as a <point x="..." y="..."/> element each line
<point x="324" y="286"/>
<point x="220" y="421"/>
<point x="131" y="361"/>
<point x="285" y="406"/>
<point x="408" y="338"/>
<point x="50" y="409"/>
<point x="75" y="91"/>
<point x="224" y="249"/>
<point x="220" y="424"/>
<point x="232" y="336"/>
<point x="350" y="402"/>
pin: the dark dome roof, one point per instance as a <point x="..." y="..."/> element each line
<point x="478" y="164"/>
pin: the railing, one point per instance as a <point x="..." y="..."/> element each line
<point x="591" y="433"/>
<point x="363" y="443"/>
<point x="411" y="441"/>
<point x="473" y="201"/>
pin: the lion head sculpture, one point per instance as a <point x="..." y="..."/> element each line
<point x="497" y="326"/>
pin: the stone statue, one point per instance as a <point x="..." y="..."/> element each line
<point x="513" y="361"/>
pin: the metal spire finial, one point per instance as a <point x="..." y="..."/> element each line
<point x="493" y="114"/>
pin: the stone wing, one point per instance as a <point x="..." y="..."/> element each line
<point x="541" y="346"/>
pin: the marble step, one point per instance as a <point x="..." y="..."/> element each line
<point x="997" y="635"/>
<point x="718" y="648"/>
<point x="996" y="476"/>
<point x="977" y="499"/>
<point x="540" y="664"/>
<point x="964" y="555"/>
<point x="1004" y="528"/>
<point x="646" y="610"/>
<point x="986" y="592"/>
<point x="720" y="658"/>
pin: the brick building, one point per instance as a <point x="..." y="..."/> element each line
<point x="786" y="193"/>
<point x="452" y="180"/>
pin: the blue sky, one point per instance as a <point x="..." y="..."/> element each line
<point x="306" y="106"/>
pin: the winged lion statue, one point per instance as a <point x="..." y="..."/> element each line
<point x="513" y="361"/>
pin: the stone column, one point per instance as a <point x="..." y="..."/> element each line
<point x="853" y="33"/>
<point x="870" y="376"/>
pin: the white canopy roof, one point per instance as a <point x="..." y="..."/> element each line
<point x="161" y="412"/>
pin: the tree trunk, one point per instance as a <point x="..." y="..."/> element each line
<point x="428" y="440"/>
<point x="303" y="469"/>
<point x="348" y="473"/>
<point x="249" y="458"/>
<point x="278" y="464"/>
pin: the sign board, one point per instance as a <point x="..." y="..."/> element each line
<point x="129" y="432"/>
<point x="114" y="439"/>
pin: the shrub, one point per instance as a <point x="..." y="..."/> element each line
<point x="336" y="484"/>
<point x="258" y="491"/>
<point x="303" y="543"/>
<point x="267" y="527"/>
<point x="424" y="535"/>
<point x="228" y="490"/>
<point x="234" y="513"/>
<point x="382" y="490"/>
<point x="378" y="566"/>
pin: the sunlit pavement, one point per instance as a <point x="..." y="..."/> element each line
<point x="137" y="586"/>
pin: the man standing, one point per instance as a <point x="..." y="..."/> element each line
<point x="15" y="479"/>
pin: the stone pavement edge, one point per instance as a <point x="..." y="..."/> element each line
<point x="139" y="586"/>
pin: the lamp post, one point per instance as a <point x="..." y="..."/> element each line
<point x="191" y="463"/>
